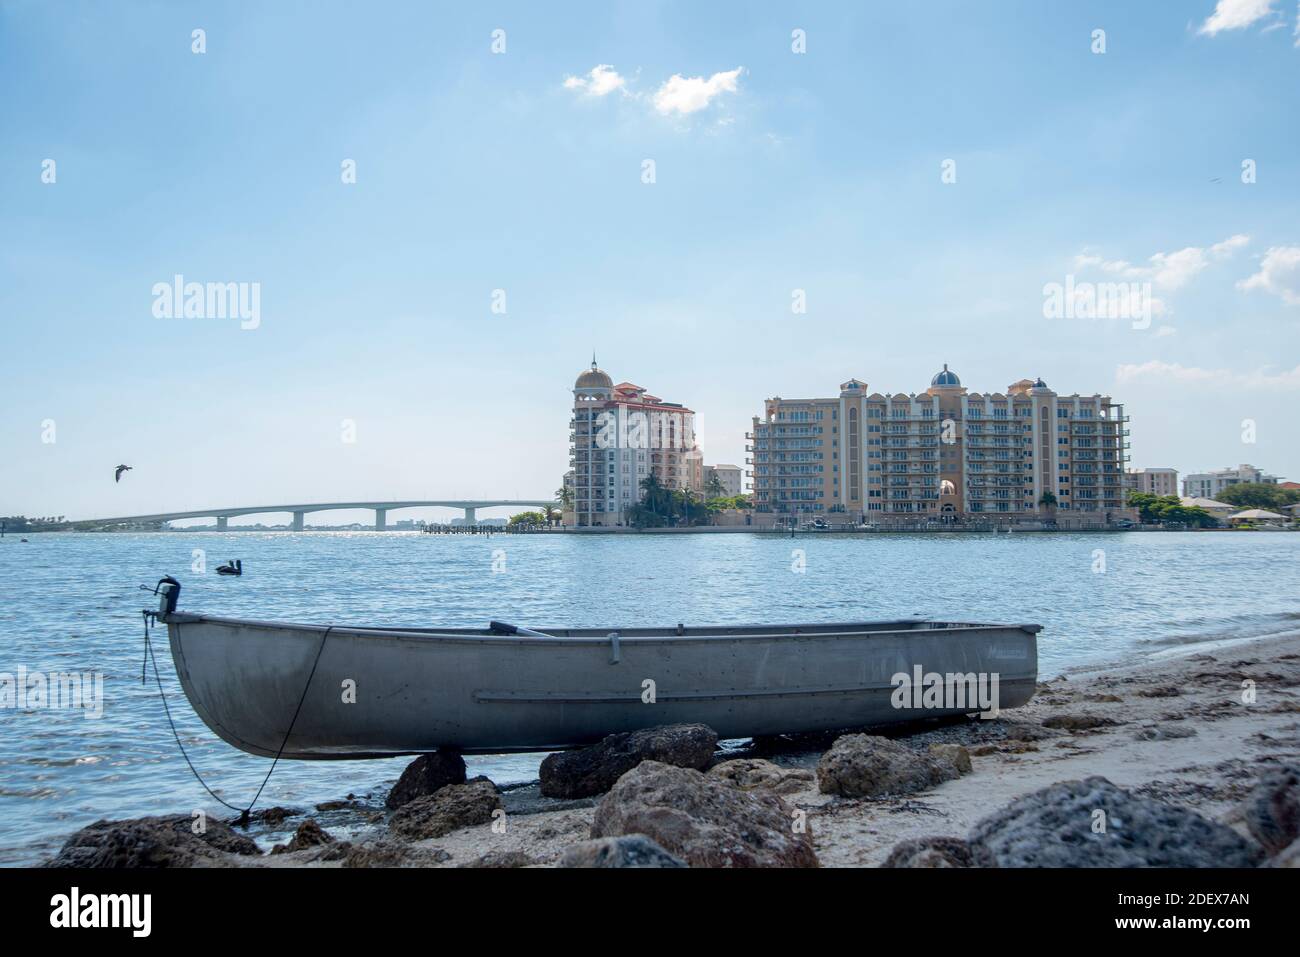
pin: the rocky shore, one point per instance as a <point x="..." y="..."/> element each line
<point x="1178" y="761"/>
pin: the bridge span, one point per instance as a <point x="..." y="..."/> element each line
<point x="299" y="511"/>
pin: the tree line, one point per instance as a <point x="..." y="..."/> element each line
<point x="659" y="507"/>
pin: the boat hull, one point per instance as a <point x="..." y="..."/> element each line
<point x="374" y="693"/>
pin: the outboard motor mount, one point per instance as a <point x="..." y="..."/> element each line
<point x="168" y="591"/>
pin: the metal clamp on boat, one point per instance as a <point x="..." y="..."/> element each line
<point x="168" y="591"/>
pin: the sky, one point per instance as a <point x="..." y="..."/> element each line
<point x="445" y="209"/>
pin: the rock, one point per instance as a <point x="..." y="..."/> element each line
<point x="1054" y="828"/>
<point x="151" y="842"/>
<point x="1077" y="722"/>
<point x="1024" y="731"/>
<point x="629" y="850"/>
<point x="955" y="754"/>
<point x="425" y="775"/>
<point x="863" y="765"/>
<point x="393" y="854"/>
<point x="274" y="816"/>
<point x="938" y="852"/>
<point x="336" y="805"/>
<point x="1288" y="857"/>
<point x="1103" y="698"/>
<point x="451" y="808"/>
<point x="1162" y="691"/>
<point x="1272" y="811"/>
<point x="586" y="772"/>
<point x="309" y="834"/>
<point x="703" y="821"/>
<point x="748" y="774"/>
<point x="502" y="859"/>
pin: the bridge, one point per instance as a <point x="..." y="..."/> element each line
<point x="381" y="510"/>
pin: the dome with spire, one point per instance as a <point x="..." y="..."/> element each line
<point x="945" y="378"/>
<point x="593" y="378"/>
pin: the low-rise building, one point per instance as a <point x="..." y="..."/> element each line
<point x="1211" y="484"/>
<point x="1256" y="516"/>
<point x="1220" y="510"/>
<point x="1153" y="481"/>
<point x="729" y="478"/>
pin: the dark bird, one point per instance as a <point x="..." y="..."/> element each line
<point x="117" y="475"/>
<point x="233" y="567"/>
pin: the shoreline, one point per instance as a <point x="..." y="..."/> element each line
<point x="1147" y="749"/>
<point x="1003" y="529"/>
<point x="1172" y="727"/>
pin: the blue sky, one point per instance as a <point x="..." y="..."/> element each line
<point x="478" y="171"/>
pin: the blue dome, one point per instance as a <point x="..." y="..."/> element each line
<point x="945" y="377"/>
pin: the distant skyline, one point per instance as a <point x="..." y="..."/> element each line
<point x="917" y="177"/>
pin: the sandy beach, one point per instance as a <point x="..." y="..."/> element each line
<point x="1174" y="728"/>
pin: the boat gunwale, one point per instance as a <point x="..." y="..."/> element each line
<point x="666" y="633"/>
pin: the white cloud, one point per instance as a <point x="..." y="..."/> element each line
<point x="600" y="81"/>
<point x="1279" y="273"/>
<point x="1235" y="15"/>
<point x="683" y="95"/>
<point x="1230" y="245"/>
<point x="1174" y="270"/>
<point x="1169" y="271"/>
<point x="1158" y="371"/>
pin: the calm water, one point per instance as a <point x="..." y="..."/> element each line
<point x="70" y="603"/>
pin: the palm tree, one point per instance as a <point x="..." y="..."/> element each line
<point x="564" y="495"/>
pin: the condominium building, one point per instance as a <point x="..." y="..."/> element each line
<point x="729" y="477"/>
<point x="1210" y="484"/>
<point x="942" y="454"/>
<point x="619" y="436"/>
<point x="1153" y="481"/>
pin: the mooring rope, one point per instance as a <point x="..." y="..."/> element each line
<point x="243" y="812"/>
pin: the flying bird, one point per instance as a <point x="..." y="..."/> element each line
<point x="117" y="475"/>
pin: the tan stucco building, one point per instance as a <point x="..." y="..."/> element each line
<point x="729" y="477"/>
<point x="1153" y="481"/>
<point x="945" y="454"/>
